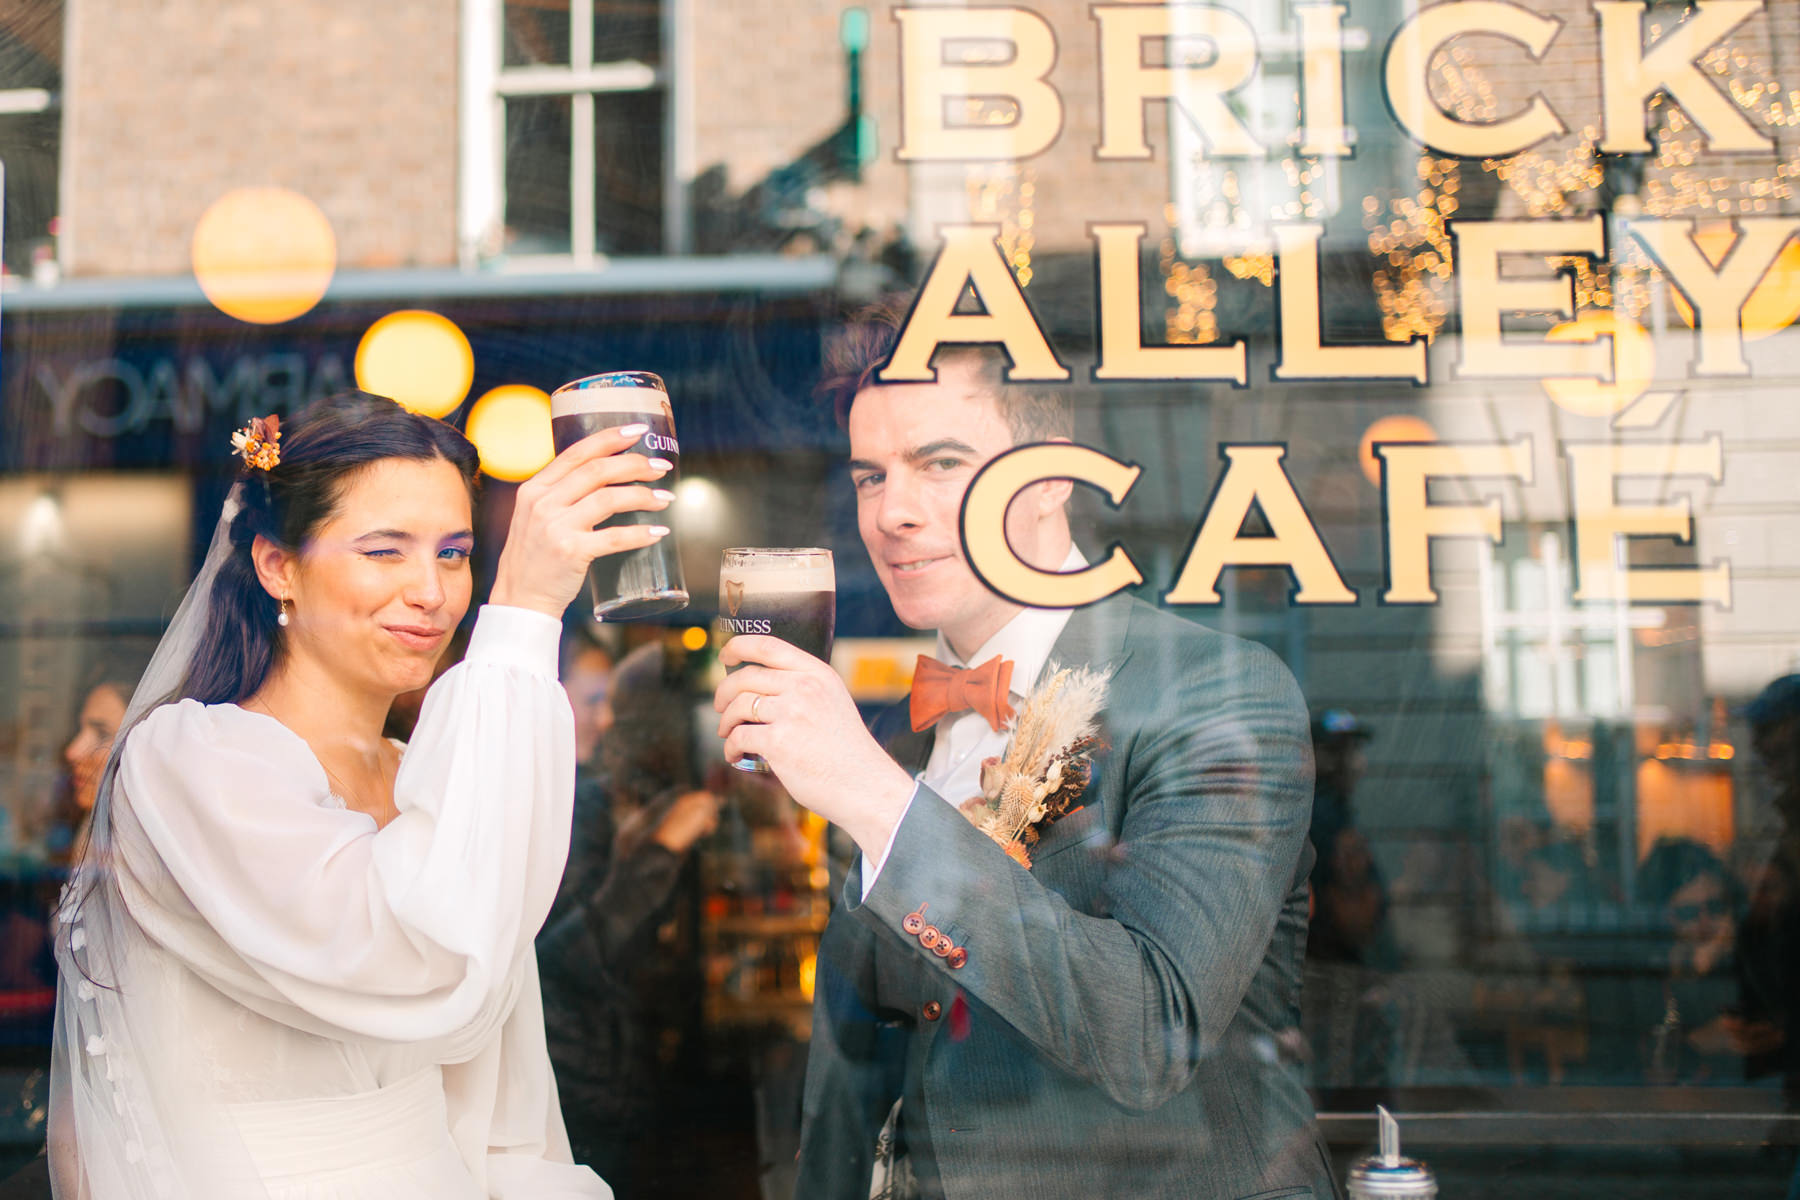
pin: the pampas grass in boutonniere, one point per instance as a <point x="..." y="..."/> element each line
<point x="1047" y="763"/>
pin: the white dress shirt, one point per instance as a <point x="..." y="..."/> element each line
<point x="961" y="742"/>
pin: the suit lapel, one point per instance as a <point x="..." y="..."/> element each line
<point x="1095" y="637"/>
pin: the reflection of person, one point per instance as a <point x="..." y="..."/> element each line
<point x="1770" y="934"/>
<point x="1704" y="1035"/>
<point x="1350" y="898"/>
<point x="1348" y="944"/>
<point x="102" y="711"/>
<point x="638" y="814"/>
<point x="587" y="676"/>
<point x="1105" y="1022"/>
<point x="294" y="962"/>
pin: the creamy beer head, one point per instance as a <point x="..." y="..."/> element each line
<point x="778" y="570"/>
<point x="783" y="592"/>
<point x="632" y="392"/>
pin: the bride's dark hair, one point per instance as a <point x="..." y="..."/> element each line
<point x="322" y="448"/>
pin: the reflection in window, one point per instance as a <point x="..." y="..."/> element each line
<point x="538" y="211"/>
<point x="627" y="31"/>
<point x="584" y="127"/>
<point x="628" y="169"/>
<point x="536" y="32"/>
<point x="31" y="37"/>
<point x="1547" y="655"/>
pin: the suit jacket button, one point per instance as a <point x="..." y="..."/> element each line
<point x="932" y="1010"/>
<point x="929" y="937"/>
<point x="944" y="946"/>
<point x="914" y="921"/>
<point x="957" y="958"/>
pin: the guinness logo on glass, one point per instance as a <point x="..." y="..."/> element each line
<point x="734" y="595"/>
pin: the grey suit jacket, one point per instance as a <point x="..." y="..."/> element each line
<point x="1115" y="1024"/>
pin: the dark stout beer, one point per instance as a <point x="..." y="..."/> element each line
<point x="638" y="583"/>
<point x="789" y="594"/>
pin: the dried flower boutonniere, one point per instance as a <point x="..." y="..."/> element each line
<point x="1047" y="763"/>
<point x="259" y="442"/>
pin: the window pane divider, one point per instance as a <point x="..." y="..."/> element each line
<point x="16" y="101"/>
<point x="581" y="34"/>
<point x="582" y="184"/>
<point x="629" y="76"/>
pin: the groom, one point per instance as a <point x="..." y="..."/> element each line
<point x="1112" y="1021"/>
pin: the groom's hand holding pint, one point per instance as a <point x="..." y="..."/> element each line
<point x="793" y="710"/>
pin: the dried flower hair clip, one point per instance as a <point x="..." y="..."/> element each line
<point x="259" y="442"/>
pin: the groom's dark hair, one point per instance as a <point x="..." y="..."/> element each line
<point x="865" y="342"/>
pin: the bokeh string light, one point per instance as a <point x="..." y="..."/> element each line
<point x="1407" y="229"/>
<point x="419" y="358"/>
<point x="1006" y="196"/>
<point x="510" y="426"/>
<point x="263" y="254"/>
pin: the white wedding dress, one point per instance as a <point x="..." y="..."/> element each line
<point x="295" y="1005"/>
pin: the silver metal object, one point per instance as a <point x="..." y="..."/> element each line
<point x="1387" y="1174"/>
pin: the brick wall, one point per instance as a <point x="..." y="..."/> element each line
<point x="170" y="103"/>
<point x="770" y="81"/>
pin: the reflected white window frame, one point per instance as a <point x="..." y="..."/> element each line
<point x="1269" y="108"/>
<point x="27" y="102"/>
<point x="1530" y="614"/>
<point x="487" y="85"/>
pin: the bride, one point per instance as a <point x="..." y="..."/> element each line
<point x="296" y="961"/>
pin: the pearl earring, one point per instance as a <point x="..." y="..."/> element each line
<point x="281" y="618"/>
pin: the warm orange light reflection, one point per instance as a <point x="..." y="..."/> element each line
<point x="809" y="973"/>
<point x="1634" y="365"/>
<point x="263" y="254"/>
<point x="1678" y="802"/>
<point x="510" y="425"/>
<point x="1720" y="751"/>
<point x="1395" y="428"/>
<point x="418" y="358"/>
<point x="1774" y="304"/>
<point x="1568" y="781"/>
<point x="694" y="637"/>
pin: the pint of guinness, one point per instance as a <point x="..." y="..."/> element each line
<point x="786" y="593"/>
<point x="638" y="583"/>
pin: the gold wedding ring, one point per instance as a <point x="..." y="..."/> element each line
<point x="754" y="705"/>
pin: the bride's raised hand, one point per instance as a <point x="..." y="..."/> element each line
<point x="552" y="537"/>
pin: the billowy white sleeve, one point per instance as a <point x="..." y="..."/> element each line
<point x="231" y="858"/>
<point x="505" y="1115"/>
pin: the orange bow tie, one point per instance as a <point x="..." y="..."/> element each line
<point x="939" y="690"/>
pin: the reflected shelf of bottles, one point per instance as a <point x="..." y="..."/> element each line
<point x="765" y="906"/>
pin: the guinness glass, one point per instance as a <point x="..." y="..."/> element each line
<point x="638" y="583"/>
<point x="785" y="593"/>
